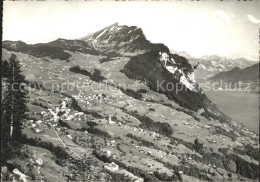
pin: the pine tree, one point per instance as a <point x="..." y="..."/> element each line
<point x="18" y="94"/>
<point x="5" y="115"/>
<point x="5" y="68"/>
<point x="14" y="104"/>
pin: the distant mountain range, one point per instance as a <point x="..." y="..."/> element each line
<point x="210" y="65"/>
<point x="247" y="77"/>
<point x="183" y="54"/>
<point x="250" y="73"/>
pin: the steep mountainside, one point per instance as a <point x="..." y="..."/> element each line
<point x="123" y="109"/>
<point x="175" y="79"/>
<point x="123" y="39"/>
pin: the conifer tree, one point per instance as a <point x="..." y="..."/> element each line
<point x="5" y="115"/>
<point x="5" y="68"/>
<point x="18" y="95"/>
<point x="14" y="103"/>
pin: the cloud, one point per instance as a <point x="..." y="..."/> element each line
<point x="253" y="19"/>
<point x="226" y="16"/>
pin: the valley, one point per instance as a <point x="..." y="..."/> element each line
<point x="95" y="114"/>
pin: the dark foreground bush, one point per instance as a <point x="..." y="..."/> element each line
<point x="58" y="151"/>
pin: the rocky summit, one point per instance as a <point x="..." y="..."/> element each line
<point x="123" y="39"/>
<point x="112" y="106"/>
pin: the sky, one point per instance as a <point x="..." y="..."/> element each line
<point x="229" y="28"/>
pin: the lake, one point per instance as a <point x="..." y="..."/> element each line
<point x="241" y="106"/>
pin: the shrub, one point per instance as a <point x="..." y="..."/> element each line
<point x="64" y="124"/>
<point x="162" y="128"/>
<point x="58" y="151"/>
<point x="198" y="146"/>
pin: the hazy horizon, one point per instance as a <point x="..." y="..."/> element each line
<point x="229" y="29"/>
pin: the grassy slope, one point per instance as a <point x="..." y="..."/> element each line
<point x="126" y="111"/>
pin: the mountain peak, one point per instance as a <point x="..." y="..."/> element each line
<point x="182" y="53"/>
<point x="110" y="26"/>
<point x="114" y="24"/>
<point x="121" y="38"/>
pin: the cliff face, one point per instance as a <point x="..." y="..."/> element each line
<point x="173" y="76"/>
<point x="180" y="69"/>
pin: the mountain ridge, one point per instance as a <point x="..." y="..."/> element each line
<point x="237" y="74"/>
<point x="212" y="65"/>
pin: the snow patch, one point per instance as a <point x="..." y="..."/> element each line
<point x="203" y="67"/>
<point x="211" y="69"/>
<point x="118" y="28"/>
<point x="100" y="35"/>
<point x="112" y="28"/>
